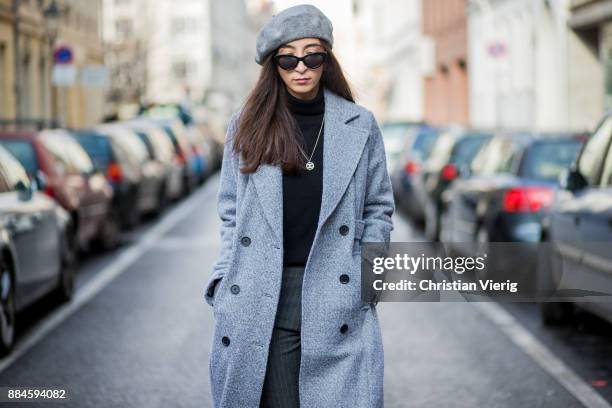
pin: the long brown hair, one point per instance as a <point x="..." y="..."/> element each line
<point x="267" y="132"/>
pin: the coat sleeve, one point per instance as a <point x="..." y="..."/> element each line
<point x="379" y="203"/>
<point x="226" y="209"/>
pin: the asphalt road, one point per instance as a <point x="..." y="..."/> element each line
<point x="138" y="335"/>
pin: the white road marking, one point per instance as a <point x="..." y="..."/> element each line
<point x="186" y="243"/>
<point x="531" y="346"/>
<point x="120" y="264"/>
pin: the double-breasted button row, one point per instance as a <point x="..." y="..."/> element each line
<point x="245" y="241"/>
<point x="344" y="229"/>
<point x="225" y="340"/>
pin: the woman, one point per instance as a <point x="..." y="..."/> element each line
<point x="303" y="183"/>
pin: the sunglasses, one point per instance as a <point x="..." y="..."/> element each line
<point x="289" y="62"/>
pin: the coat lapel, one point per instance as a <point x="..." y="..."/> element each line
<point x="343" y="144"/>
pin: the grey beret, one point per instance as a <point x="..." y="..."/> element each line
<point x="296" y="22"/>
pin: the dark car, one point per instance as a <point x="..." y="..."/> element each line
<point x="36" y="252"/>
<point x="177" y="133"/>
<point x="513" y="181"/>
<point x="122" y="156"/>
<point x="450" y="157"/>
<point x="579" y="228"/>
<point x="71" y="179"/>
<point x="161" y="149"/>
<point x="415" y="152"/>
<point x="394" y="136"/>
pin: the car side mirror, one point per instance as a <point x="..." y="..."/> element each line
<point x="24" y="191"/>
<point x="464" y="171"/>
<point x="40" y="180"/>
<point x="572" y="180"/>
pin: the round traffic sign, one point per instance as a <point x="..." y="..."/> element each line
<point x="63" y="55"/>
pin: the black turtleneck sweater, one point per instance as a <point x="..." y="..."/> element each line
<point x="302" y="192"/>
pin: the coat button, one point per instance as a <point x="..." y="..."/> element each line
<point x="344" y="278"/>
<point x="245" y="241"/>
<point x="225" y="340"/>
<point x="235" y="289"/>
<point x="344" y="328"/>
<point x="344" y="229"/>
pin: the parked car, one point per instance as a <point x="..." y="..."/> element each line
<point x="512" y="184"/>
<point x="161" y="149"/>
<point x="578" y="230"/>
<point x="394" y="136"/>
<point x="451" y="155"/>
<point x="37" y="256"/>
<point x="212" y="148"/>
<point x="70" y="178"/>
<point x="122" y="156"/>
<point x="404" y="175"/>
<point x="176" y="132"/>
<point x="200" y="153"/>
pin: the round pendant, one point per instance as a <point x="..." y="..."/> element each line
<point x="309" y="165"/>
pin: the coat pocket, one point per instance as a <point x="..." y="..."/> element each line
<point x="218" y="294"/>
<point x="359" y="226"/>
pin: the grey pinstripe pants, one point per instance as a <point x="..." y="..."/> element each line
<point x="282" y="374"/>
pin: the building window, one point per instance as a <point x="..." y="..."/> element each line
<point x="183" y="69"/>
<point x="42" y="83"/>
<point x="3" y="79"/>
<point x="123" y="28"/>
<point x="26" y="89"/>
<point x="179" y="68"/>
<point x="183" y="25"/>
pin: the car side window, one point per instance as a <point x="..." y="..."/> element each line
<point x="11" y="172"/>
<point x="79" y="158"/>
<point x="606" y="175"/>
<point x="591" y="159"/>
<point x="56" y="149"/>
<point x="508" y="155"/>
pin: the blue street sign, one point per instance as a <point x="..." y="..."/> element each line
<point x="63" y="55"/>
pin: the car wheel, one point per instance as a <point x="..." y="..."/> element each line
<point x="65" y="288"/>
<point x="482" y="249"/>
<point x="188" y="185"/>
<point x="556" y="313"/>
<point x="133" y="216"/>
<point x="445" y="227"/>
<point x="7" y="309"/>
<point x="108" y="237"/>
<point x="162" y="199"/>
<point x="431" y="223"/>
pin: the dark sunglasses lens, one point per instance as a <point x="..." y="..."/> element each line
<point x="287" y="62"/>
<point x="314" y="60"/>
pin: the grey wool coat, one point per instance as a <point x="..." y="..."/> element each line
<point x="339" y="368"/>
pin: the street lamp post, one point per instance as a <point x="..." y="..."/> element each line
<point x="52" y="19"/>
<point x="17" y="60"/>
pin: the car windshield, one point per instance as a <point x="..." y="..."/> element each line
<point x="423" y="143"/>
<point x="545" y="160"/>
<point x="23" y="150"/>
<point x="393" y="136"/>
<point x="466" y="148"/>
<point x="97" y="146"/>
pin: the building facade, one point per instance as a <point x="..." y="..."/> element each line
<point x="390" y="67"/>
<point x="590" y="50"/>
<point x="446" y="88"/>
<point x="158" y="50"/>
<point x="522" y="64"/>
<point x="27" y="44"/>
